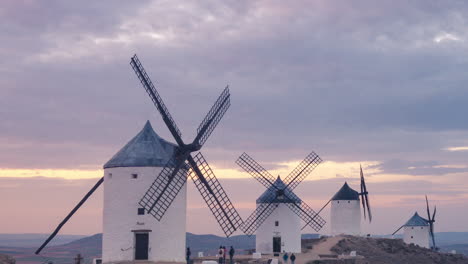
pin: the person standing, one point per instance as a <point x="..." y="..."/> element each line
<point x="231" y="255"/>
<point x="187" y="255"/>
<point x="220" y="255"/>
<point x="285" y="258"/>
<point x="224" y="254"/>
<point x="293" y="258"/>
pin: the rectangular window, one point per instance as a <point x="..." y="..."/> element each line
<point x="276" y="223"/>
<point x="141" y="211"/>
<point x="134" y="176"/>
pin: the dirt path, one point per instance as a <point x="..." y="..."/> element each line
<point x="318" y="249"/>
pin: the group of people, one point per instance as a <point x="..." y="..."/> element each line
<point x="286" y="257"/>
<point x="222" y="255"/>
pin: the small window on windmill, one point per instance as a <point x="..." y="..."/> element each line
<point x="411" y="236"/>
<point x="134" y="175"/>
<point x="349" y="201"/>
<point x="109" y="175"/>
<point x="276" y="223"/>
<point x="412" y="227"/>
<point x="141" y="211"/>
<point x="338" y="201"/>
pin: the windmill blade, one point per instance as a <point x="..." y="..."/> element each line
<point x="302" y="170"/>
<point x="261" y="213"/>
<point x="432" y="228"/>
<point x="156" y="98"/>
<point x="83" y="200"/>
<point x="397" y="230"/>
<point x="428" y="212"/>
<point x="256" y="219"/>
<point x="368" y="208"/>
<point x="214" y="195"/>
<point x="165" y="188"/>
<point x="308" y="215"/>
<point x="432" y="235"/>
<point x="318" y="213"/>
<point x="255" y="170"/>
<point x="213" y="117"/>
<point x="365" y="197"/>
<point x="363" y="201"/>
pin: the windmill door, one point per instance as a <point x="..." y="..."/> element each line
<point x="276" y="244"/>
<point x="141" y="246"/>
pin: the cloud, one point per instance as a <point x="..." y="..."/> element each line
<point x="418" y="168"/>
<point x="295" y="86"/>
<point x="360" y="81"/>
<point x="462" y="148"/>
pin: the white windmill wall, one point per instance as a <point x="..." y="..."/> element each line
<point x="289" y="229"/>
<point x="418" y="235"/>
<point x="345" y="217"/>
<point x="120" y="218"/>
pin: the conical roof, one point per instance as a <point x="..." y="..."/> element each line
<point x="346" y="193"/>
<point x="146" y="149"/>
<point x="271" y="191"/>
<point x="416" y="220"/>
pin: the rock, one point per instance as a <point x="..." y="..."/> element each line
<point x="5" y="259"/>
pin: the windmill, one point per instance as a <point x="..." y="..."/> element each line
<point x="280" y="197"/>
<point x="345" y="209"/>
<point x="167" y="185"/>
<point x="161" y="192"/>
<point x="418" y="230"/>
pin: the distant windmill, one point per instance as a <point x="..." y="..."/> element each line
<point x="280" y="231"/>
<point x="345" y="209"/>
<point x="420" y="231"/>
<point x="128" y="233"/>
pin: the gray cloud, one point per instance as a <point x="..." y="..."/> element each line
<point x="361" y="81"/>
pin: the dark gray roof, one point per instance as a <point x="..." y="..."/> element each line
<point x="346" y="193"/>
<point x="265" y="197"/>
<point x="416" y="220"/>
<point x="146" y="149"/>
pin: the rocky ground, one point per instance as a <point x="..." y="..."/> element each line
<point x="5" y="259"/>
<point x="336" y="250"/>
<point x="392" y="251"/>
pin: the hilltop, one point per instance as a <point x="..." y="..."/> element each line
<point x="391" y="251"/>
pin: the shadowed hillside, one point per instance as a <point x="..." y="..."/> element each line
<point x="392" y="251"/>
<point x="4" y="259"/>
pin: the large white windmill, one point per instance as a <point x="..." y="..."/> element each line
<point x="276" y="221"/>
<point x="129" y="232"/>
<point x="147" y="177"/>
<point x="420" y="231"/>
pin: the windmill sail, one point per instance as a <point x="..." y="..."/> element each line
<point x="431" y="221"/>
<point x="169" y="182"/>
<point x="365" y="197"/>
<point x="279" y="192"/>
<point x="73" y="211"/>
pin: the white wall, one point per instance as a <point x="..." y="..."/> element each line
<point x="289" y="229"/>
<point x="120" y="217"/>
<point x="418" y="235"/>
<point x="345" y="217"/>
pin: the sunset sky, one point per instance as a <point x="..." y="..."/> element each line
<point x="377" y="83"/>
